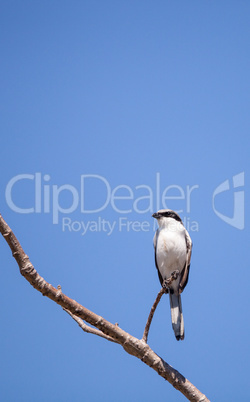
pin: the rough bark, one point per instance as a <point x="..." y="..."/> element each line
<point x="136" y="347"/>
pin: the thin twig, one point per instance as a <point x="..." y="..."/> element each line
<point x="83" y="326"/>
<point x="151" y="314"/>
<point x="164" y="289"/>
<point x="87" y="328"/>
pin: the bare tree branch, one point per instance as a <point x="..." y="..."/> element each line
<point x="131" y="345"/>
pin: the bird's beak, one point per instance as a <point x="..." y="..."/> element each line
<point x="156" y="215"/>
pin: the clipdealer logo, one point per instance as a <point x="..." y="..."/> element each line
<point x="123" y="199"/>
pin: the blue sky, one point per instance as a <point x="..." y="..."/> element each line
<point x="128" y="99"/>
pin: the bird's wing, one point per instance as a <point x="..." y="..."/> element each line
<point x="185" y="272"/>
<point x="155" y="247"/>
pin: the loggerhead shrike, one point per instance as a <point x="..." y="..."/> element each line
<point x="173" y="247"/>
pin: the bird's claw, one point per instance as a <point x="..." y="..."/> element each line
<point x="175" y="274"/>
<point x="165" y="285"/>
<point x="167" y="282"/>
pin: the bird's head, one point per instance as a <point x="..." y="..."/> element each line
<point x="166" y="213"/>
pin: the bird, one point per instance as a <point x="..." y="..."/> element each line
<point x="173" y="248"/>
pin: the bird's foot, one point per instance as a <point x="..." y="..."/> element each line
<point x="167" y="282"/>
<point x="175" y="274"/>
<point x="165" y="286"/>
